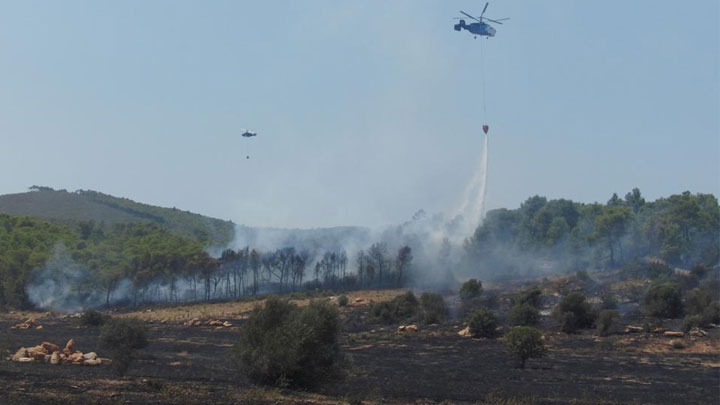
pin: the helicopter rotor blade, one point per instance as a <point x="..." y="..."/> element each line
<point x="486" y="6"/>
<point x="496" y="22"/>
<point x="470" y="16"/>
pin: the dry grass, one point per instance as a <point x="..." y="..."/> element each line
<point x="691" y="346"/>
<point x="241" y="309"/>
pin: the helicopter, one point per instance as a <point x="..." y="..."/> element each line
<point x="248" y="134"/>
<point x="479" y="28"/>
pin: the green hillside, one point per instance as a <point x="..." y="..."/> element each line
<point x="85" y="205"/>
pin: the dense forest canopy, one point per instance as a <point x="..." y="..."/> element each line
<point x="82" y="264"/>
<point x="682" y="229"/>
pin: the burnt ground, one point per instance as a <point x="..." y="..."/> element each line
<point x="193" y="365"/>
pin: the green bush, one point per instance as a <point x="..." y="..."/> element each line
<point x="697" y="301"/>
<point x="93" y="318"/>
<point x="608" y="301"/>
<point x="582" y="275"/>
<point x="656" y="270"/>
<point x="711" y="314"/>
<point x="470" y="289"/>
<point x="574" y="313"/>
<point x="532" y="297"/>
<point x="692" y="321"/>
<point x="482" y="323"/>
<point x="699" y="271"/>
<point x="400" y="309"/>
<point x="433" y="308"/>
<point x="343" y="300"/>
<point x="524" y="342"/>
<point x="122" y="336"/>
<point x="523" y="315"/>
<point x="664" y="301"/>
<point x="283" y="344"/>
<point x="607" y="322"/>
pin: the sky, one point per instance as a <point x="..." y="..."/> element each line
<point x="365" y="111"/>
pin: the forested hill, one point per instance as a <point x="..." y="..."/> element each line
<point x="79" y="206"/>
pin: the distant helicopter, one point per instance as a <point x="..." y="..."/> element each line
<point x="248" y="134"/>
<point x="479" y="27"/>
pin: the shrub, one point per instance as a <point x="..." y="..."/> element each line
<point x="575" y="313"/>
<point x="281" y="343"/>
<point x="343" y="300"/>
<point x="692" y="321"/>
<point x="467" y="306"/>
<point x="523" y="315"/>
<point x="470" y="289"/>
<point x="93" y="318"/>
<point x="401" y="308"/>
<point x="524" y="342"/>
<point x="582" y="275"/>
<point x="128" y="333"/>
<point x="656" y="270"/>
<point x="122" y="336"/>
<point x="664" y="301"/>
<point x="433" y="308"/>
<point x="711" y="314"/>
<point x="482" y="323"/>
<point x="532" y="297"/>
<point x="697" y="301"/>
<point x="607" y="322"/>
<point x="699" y="270"/>
<point x="608" y="301"/>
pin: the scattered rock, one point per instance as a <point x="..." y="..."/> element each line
<point x="50" y="353"/>
<point x="69" y="347"/>
<point x="465" y="332"/>
<point x="697" y="332"/>
<point x="407" y="328"/>
<point x="29" y="323"/>
<point x="51" y="348"/>
<point x="21" y="353"/>
<point x="634" y="329"/>
<point x="210" y="322"/>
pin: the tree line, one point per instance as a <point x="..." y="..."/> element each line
<point x="681" y="229"/>
<point x="136" y="263"/>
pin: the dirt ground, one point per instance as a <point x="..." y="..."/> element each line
<point x="185" y="364"/>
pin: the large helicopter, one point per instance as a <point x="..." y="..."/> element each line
<point x="479" y="28"/>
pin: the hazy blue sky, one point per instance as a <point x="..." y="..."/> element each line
<point x="366" y="110"/>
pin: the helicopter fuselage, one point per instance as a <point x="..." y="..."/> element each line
<point x="476" y="28"/>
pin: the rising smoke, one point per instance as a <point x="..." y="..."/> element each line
<point x="436" y="241"/>
<point x="62" y="284"/>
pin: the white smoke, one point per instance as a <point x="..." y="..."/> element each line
<point x="433" y="238"/>
<point x="62" y="284"/>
